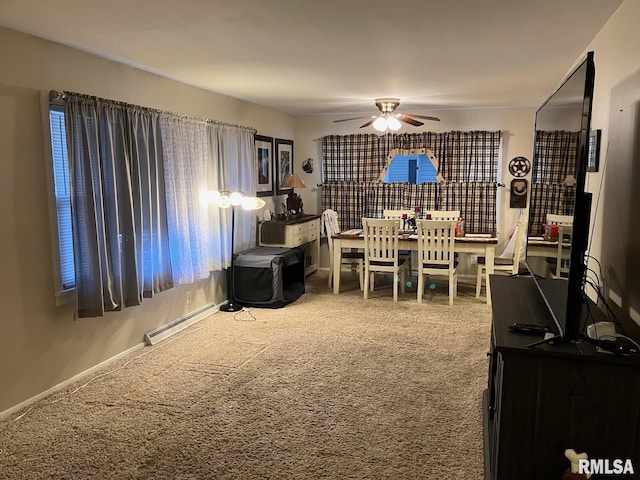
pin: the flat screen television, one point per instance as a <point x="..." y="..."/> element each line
<point x="559" y="168"/>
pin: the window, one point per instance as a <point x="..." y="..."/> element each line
<point x="412" y="169"/>
<point x="62" y="194"/>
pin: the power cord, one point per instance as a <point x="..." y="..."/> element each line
<point x="612" y="344"/>
<point x="610" y="313"/>
<point x="238" y="315"/>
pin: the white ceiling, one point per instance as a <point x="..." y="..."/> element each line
<point x="307" y="57"/>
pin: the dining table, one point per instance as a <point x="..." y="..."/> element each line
<point x="479" y="244"/>
<point x="540" y="247"/>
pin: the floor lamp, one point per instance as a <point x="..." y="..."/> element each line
<point x="227" y="199"/>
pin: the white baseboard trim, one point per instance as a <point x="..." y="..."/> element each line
<point x="156" y="335"/>
<point x="69" y="381"/>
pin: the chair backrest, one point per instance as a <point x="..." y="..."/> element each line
<point x="559" y="219"/>
<point x="397" y="213"/>
<point x="436" y="240"/>
<point x="330" y="225"/>
<point x="451" y="215"/>
<point x="381" y="241"/>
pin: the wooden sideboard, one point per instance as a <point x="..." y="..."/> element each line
<point x="543" y="400"/>
<point x="303" y="232"/>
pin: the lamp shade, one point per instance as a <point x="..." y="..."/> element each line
<point x="380" y="124"/>
<point x="386" y="122"/>
<point x="394" y="124"/>
<point x="292" y="181"/>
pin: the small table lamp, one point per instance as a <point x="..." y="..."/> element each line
<point x="294" y="202"/>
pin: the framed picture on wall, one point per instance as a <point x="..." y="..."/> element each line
<point x="284" y="163"/>
<point x="264" y="164"/>
<point x="593" y="157"/>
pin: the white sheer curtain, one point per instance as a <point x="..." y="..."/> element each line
<point x="117" y="193"/>
<point x="187" y="165"/>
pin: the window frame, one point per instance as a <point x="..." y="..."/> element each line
<point x="62" y="295"/>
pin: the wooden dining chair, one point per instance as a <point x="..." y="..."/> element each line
<point x="354" y="259"/>
<point x="505" y="266"/>
<point x="381" y="253"/>
<point x="559" y="265"/>
<point x="397" y="213"/>
<point x="406" y="254"/>
<point x="560" y="219"/>
<point x="436" y="240"/>
<point x="450" y="215"/>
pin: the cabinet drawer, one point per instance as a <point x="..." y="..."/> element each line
<point x="297" y="240"/>
<point x="297" y="229"/>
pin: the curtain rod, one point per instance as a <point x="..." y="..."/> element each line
<point x="56" y="95"/>
<point x="498" y="184"/>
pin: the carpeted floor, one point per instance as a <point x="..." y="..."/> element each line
<point x="331" y="386"/>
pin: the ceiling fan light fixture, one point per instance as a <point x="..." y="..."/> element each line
<point x="380" y="124"/>
<point x="393" y="123"/>
<point x="387" y="119"/>
<point x="387" y="105"/>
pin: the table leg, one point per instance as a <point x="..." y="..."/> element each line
<point x="330" y="281"/>
<point x="337" y="261"/>
<point x="489" y="261"/>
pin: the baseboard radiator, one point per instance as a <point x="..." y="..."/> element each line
<point x="156" y="335"/>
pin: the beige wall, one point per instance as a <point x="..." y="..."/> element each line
<point x="617" y="60"/>
<point x="41" y="345"/>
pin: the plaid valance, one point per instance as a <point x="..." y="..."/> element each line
<point x="555" y="198"/>
<point x="467" y="161"/>
<point x="354" y="200"/>
<point x="462" y="156"/>
<point x="555" y="154"/>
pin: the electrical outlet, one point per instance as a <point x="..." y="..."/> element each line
<point x="188" y="298"/>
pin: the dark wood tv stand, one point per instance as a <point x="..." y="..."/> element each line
<point x="543" y="400"/>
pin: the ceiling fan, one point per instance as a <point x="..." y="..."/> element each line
<point x="387" y="119"/>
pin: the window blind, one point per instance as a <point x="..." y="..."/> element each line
<point x="63" y="196"/>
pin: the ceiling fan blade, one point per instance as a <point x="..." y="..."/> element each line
<point x="368" y="123"/>
<point x="409" y="120"/>
<point x="426" y="117"/>
<point x="348" y="119"/>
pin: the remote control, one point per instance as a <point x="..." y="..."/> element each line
<point x="529" y="328"/>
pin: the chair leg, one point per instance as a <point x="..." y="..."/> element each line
<point x="361" y="274"/>
<point x="453" y="286"/>
<point x="366" y="283"/>
<point x="420" y="286"/>
<point x="403" y="279"/>
<point x="330" y="281"/>
<point x="395" y="286"/>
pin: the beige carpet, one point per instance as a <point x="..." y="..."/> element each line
<point x="331" y="386"/>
